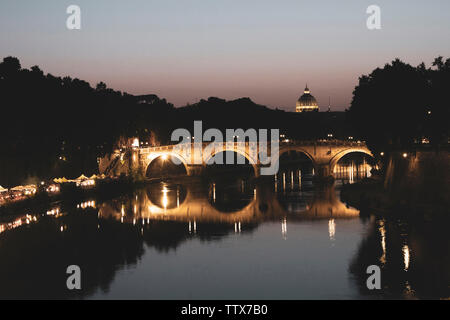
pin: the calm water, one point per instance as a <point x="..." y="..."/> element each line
<point x="229" y="238"/>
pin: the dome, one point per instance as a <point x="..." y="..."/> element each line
<point x="306" y="102"/>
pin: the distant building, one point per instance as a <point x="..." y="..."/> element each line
<point x="307" y="102"/>
<point x="147" y="99"/>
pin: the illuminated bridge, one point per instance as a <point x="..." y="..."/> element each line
<point x="324" y="155"/>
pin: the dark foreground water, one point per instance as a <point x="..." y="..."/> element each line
<point x="223" y="239"/>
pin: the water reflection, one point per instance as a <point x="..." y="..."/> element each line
<point x="35" y="257"/>
<point x="241" y="201"/>
<point x="414" y="259"/>
<point x="235" y="218"/>
<point x="331" y="229"/>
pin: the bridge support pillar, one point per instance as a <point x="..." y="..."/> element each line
<point x="323" y="172"/>
<point x="257" y="170"/>
<point x="195" y="170"/>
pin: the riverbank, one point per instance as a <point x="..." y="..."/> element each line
<point x="370" y="196"/>
<point x="71" y="194"/>
<point x="414" y="184"/>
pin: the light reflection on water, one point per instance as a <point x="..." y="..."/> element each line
<point x="229" y="238"/>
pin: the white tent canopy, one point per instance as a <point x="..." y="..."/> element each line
<point x="3" y="189"/>
<point x="24" y="188"/>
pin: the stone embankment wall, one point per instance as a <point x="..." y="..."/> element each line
<point x="421" y="178"/>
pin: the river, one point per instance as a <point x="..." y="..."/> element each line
<point x="224" y="238"/>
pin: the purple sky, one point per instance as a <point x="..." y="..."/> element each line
<point x="188" y="50"/>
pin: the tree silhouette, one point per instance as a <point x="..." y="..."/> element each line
<point x="52" y="126"/>
<point x="398" y="105"/>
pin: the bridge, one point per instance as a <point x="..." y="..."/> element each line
<point x="324" y="155"/>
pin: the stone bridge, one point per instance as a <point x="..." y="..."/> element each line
<point x="324" y="155"/>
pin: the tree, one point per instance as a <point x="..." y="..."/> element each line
<point x="46" y="118"/>
<point x="389" y="105"/>
<point x="9" y="67"/>
<point x="101" y="86"/>
<point x="438" y="115"/>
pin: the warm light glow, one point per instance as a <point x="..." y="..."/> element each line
<point x="165" y="199"/>
<point x="406" y="256"/>
<point x="331" y="229"/>
<point x="284" y="228"/>
<point x="381" y="153"/>
<point x="383" y="241"/>
<point x="405" y="155"/>
<point x="164" y="157"/>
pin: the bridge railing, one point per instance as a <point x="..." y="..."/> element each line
<point x="290" y="142"/>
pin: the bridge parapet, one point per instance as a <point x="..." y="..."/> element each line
<point x="290" y="142"/>
<point x="324" y="154"/>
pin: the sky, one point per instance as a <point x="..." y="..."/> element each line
<point x="188" y="50"/>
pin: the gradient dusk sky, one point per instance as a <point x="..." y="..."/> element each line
<point x="186" y="50"/>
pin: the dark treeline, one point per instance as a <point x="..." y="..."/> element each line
<point x="53" y="126"/>
<point x="399" y="105"/>
<point x="244" y="113"/>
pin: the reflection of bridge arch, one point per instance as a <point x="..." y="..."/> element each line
<point x="196" y="208"/>
<point x="265" y="206"/>
<point x="169" y="197"/>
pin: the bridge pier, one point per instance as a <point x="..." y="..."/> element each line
<point x="257" y="170"/>
<point x="195" y="169"/>
<point x="323" y="172"/>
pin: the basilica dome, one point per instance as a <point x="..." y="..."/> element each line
<point x="306" y="102"/>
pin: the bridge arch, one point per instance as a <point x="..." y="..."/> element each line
<point x="151" y="158"/>
<point x="253" y="162"/>
<point x="287" y="149"/>
<point x="343" y="153"/>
